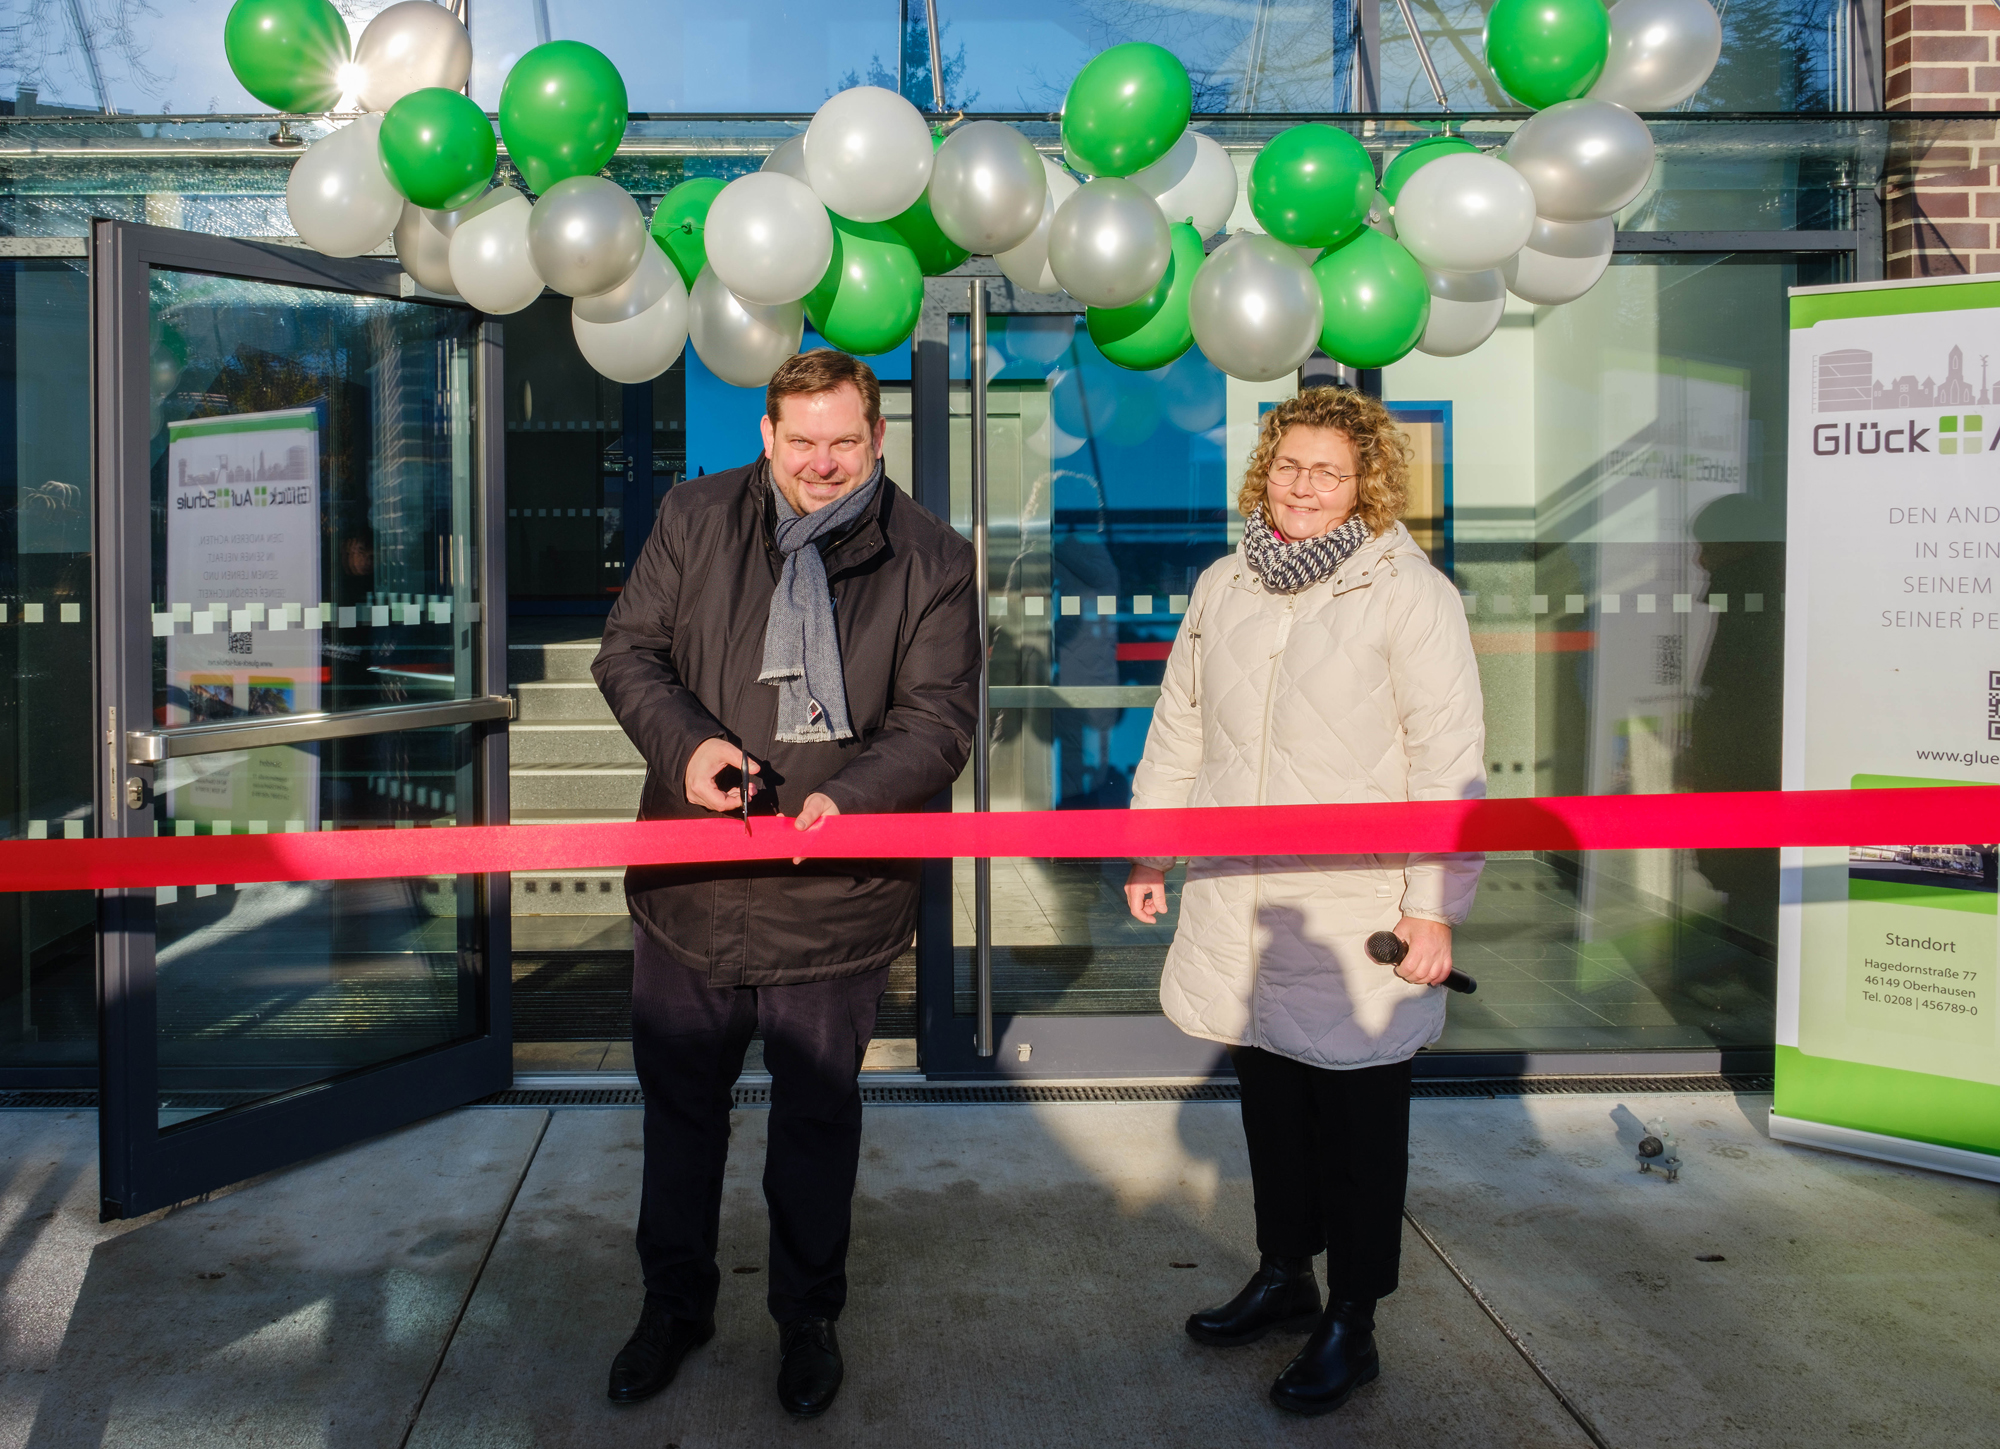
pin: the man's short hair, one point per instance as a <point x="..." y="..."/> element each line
<point x="823" y="370"/>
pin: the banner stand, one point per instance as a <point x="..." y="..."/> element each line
<point x="1888" y="1017"/>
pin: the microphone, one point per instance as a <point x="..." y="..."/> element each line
<point x="1390" y="949"/>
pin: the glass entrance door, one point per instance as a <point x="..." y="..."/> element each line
<point x="295" y="567"/>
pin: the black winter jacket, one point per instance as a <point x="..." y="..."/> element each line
<point x="679" y="665"/>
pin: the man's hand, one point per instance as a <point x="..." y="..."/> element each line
<point x="711" y="758"/>
<point x="1146" y="893"/>
<point x="1429" y="958"/>
<point x="816" y="809"/>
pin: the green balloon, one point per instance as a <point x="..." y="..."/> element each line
<point x="287" y="53"/>
<point x="438" y="148"/>
<point x="562" y="112"/>
<point x="1544" y="51"/>
<point x="1311" y="185"/>
<point x="868" y="300"/>
<point x="1125" y="109"/>
<point x="1154" y="330"/>
<point x="1412" y="157"/>
<point x="1376" y="300"/>
<point x="680" y="222"/>
<point x="936" y="252"/>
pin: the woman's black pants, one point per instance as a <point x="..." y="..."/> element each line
<point x="1329" y="1160"/>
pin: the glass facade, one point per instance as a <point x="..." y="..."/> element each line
<point x="1603" y="481"/>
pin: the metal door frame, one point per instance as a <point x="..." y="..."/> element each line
<point x="139" y="1169"/>
<point x="949" y="1045"/>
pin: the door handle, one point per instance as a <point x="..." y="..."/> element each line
<point x="150" y="747"/>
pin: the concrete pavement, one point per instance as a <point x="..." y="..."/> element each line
<point x="1019" y="1274"/>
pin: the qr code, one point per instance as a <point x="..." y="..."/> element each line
<point x="239" y="643"/>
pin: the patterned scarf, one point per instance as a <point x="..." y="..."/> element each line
<point x="1288" y="567"/>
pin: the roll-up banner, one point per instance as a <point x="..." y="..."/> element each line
<point x="1888" y="952"/>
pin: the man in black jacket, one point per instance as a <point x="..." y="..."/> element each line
<point x="805" y="615"/>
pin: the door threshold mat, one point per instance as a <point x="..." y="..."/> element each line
<point x="885" y="1094"/>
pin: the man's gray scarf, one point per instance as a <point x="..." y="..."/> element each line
<point x="1288" y="567"/>
<point x="801" y="647"/>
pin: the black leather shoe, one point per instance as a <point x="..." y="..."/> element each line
<point x="1281" y="1294"/>
<point x="1338" y="1359"/>
<point x="647" y="1362"/>
<point x="809" y="1368"/>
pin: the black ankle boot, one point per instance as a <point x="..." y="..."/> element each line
<point x="1281" y="1294"/>
<point x="1338" y="1359"/>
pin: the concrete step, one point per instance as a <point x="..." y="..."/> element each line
<point x="578" y="743"/>
<point x="567" y="659"/>
<point x="576" y="789"/>
<point x="569" y="893"/>
<point x="560" y="700"/>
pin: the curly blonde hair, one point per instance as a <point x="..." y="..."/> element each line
<point x="1379" y="446"/>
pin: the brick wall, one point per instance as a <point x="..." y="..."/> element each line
<point x="1943" y="200"/>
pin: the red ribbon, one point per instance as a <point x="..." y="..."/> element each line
<point x="1750" y="819"/>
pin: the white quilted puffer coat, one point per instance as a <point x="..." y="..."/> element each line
<point x="1360" y="688"/>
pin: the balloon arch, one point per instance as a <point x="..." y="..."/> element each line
<point x="843" y="222"/>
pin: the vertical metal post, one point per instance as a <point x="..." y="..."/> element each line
<point x="982" y="775"/>
<point x="937" y="65"/>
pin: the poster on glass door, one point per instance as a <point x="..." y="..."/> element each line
<point x="242" y="569"/>
<point x="1889" y="951"/>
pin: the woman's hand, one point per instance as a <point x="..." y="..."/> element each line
<point x="1429" y="958"/>
<point x="1146" y="893"/>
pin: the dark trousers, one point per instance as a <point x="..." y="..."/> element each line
<point x="1329" y="1161"/>
<point x="688" y="1042"/>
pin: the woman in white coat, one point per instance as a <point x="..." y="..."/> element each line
<point x="1324" y="662"/>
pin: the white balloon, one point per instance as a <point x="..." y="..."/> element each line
<point x="1194" y="182"/>
<point x="633" y="333"/>
<point x="789" y="159"/>
<point x="423" y="246"/>
<point x="1027" y="265"/>
<point x="868" y="154"/>
<point x="1255" y="308"/>
<point x="1465" y="308"/>
<point x="407" y="48"/>
<point x="741" y="342"/>
<point x="586" y="235"/>
<point x="1582" y="159"/>
<point x="1464" y="213"/>
<point x="1562" y="260"/>
<point x="768" y="238"/>
<point x="1662" y="52"/>
<point x="340" y="200"/>
<point x="987" y="187"/>
<point x="1108" y="243"/>
<point x="490" y="261"/>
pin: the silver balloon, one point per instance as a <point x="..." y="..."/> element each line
<point x="339" y="198"/>
<point x="423" y="246"/>
<point x="1562" y="260"/>
<point x="741" y="342"/>
<point x="1582" y="159"/>
<point x="1027" y="265"/>
<point x="1662" y="52"/>
<point x="768" y="238"/>
<point x="1109" y="244"/>
<point x="407" y="48"/>
<point x="586" y="235"/>
<point x="987" y="187"/>
<point x="1464" y="213"/>
<point x="633" y="333"/>
<point x="868" y="154"/>
<point x="1255" y="307"/>
<point x="1194" y="182"/>
<point x="1465" y="308"/>
<point x="1382" y="216"/>
<point x="490" y="263"/>
<point x="789" y="159"/>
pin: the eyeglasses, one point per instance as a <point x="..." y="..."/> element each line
<point x="1321" y="480"/>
